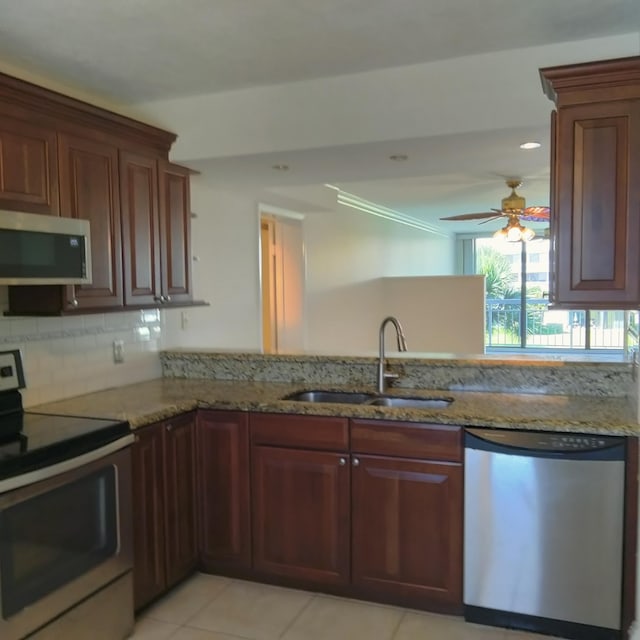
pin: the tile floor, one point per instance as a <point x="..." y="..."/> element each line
<point x="215" y="608"/>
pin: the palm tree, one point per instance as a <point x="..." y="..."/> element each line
<point x="498" y="274"/>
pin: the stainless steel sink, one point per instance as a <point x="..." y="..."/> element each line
<point x="357" y="397"/>
<point x="345" y="397"/>
<point x="411" y="403"/>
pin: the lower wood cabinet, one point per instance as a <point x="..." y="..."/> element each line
<point x="407" y="529"/>
<point x="331" y="509"/>
<point x="165" y="543"/>
<point x="301" y="520"/>
<point x="224" y="504"/>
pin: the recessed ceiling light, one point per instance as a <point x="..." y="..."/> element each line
<point x="399" y="157"/>
<point x="530" y="145"/>
<point x="280" y="167"/>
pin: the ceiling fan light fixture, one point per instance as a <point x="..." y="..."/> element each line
<point x="513" y="231"/>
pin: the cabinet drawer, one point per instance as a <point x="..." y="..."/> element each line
<point x="407" y="439"/>
<point x="309" y="432"/>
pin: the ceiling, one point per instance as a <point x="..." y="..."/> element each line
<point x="134" y="51"/>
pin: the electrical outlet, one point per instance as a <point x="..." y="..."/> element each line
<point x="118" y="351"/>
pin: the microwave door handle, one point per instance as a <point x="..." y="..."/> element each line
<point x="31" y="477"/>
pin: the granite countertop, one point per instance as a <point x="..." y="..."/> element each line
<point x="148" y="402"/>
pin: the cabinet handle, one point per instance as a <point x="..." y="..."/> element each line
<point x="356" y="462"/>
<point x="73" y="302"/>
<point x="342" y="461"/>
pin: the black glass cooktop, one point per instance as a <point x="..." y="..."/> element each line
<point x="30" y="441"/>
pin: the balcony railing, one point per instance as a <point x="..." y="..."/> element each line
<point x="552" y="329"/>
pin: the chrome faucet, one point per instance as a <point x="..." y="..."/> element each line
<point x="384" y="375"/>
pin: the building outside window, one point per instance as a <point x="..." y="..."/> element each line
<point x="517" y="303"/>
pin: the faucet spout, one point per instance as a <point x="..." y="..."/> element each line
<point x="383" y="374"/>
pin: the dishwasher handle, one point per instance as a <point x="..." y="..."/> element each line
<point x="546" y="444"/>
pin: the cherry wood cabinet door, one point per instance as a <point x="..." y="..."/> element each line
<point x="149" y="577"/>
<point x="89" y="190"/>
<point x="140" y="228"/>
<point x="28" y="167"/>
<point x="223" y="489"/>
<point x="597" y="199"/>
<point x="407" y="530"/>
<point x="180" y="497"/>
<point x="301" y="514"/>
<point x="175" y="233"/>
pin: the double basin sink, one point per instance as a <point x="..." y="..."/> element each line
<point x="355" y="397"/>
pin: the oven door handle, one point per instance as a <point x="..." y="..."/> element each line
<point x="31" y="477"/>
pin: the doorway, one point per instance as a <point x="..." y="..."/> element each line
<point x="282" y="279"/>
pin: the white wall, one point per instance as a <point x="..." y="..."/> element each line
<point x="347" y="251"/>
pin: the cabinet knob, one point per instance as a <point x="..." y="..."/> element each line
<point x="73" y="302"/>
<point x="169" y="427"/>
<point x="356" y="462"/>
<point x="167" y="298"/>
<point x="159" y="299"/>
<point x="342" y="461"/>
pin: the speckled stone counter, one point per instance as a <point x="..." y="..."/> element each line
<point x="491" y="373"/>
<point x="155" y="400"/>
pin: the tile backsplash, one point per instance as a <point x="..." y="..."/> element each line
<point x="72" y="355"/>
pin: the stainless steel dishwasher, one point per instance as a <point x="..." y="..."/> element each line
<point x="543" y="536"/>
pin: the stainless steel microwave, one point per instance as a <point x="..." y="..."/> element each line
<point x="37" y="249"/>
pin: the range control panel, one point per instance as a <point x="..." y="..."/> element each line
<point x="11" y="375"/>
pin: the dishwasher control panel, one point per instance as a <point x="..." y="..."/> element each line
<point x="542" y="441"/>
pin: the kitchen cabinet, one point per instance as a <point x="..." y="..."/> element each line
<point x="64" y="157"/>
<point x="141" y="228"/>
<point x="175" y="233"/>
<point x="28" y="166"/>
<point x="165" y="542"/>
<point x="595" y="198"/>
<point x="413" y="501"/>
<point x="377" y="514"/>
<point x="300" y="484"/>
<point x="222" y="444"/>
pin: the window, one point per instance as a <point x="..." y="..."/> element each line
<point x="517" y="305"/>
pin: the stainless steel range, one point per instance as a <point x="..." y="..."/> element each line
<point x="66" y="553"/>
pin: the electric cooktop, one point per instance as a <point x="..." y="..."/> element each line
<point x="31" y="440"/>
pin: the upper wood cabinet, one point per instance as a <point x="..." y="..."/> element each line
<point x="64" y="157"/>
<point x="28" y="167"/>
<point x="175" y="233"/>
<point x="595" y="183"/>
<point x="141" y="228"/>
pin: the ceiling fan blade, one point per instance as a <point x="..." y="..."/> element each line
<point x="473" y="216"/>
<point x="536" y="214"/>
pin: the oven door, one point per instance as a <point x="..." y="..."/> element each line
<point x="64" y="535"/>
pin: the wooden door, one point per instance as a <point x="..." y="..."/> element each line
<point x="175" y="231"/>
<point x="140" y="228"/>
<point x="597" y="198"/>
<point x="223" y="489"/>
<point x="407" y="530"/>
<point x="89" y="190"/>
<point x="180" y="497"/>
<point x="301" y="514"/>
<point x="149" y="577"/>
<point x="28" y="167"/>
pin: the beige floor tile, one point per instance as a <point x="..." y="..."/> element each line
<point x="183" y="602"/>
<point x="337" y="619"/>
<point x="251" y="610"/>
<point x="418" y="626"/>
<point x="189" y="633"/>
<point x="150" y="629"/>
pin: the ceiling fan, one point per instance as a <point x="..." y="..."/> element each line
<point x="513" y="207"/>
